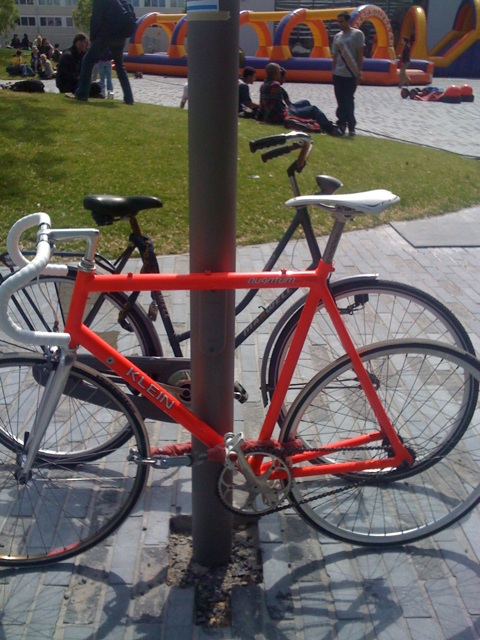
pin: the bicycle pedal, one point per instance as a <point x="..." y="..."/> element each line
<point x="239" y="393"/>
<point x="153" y="311"/>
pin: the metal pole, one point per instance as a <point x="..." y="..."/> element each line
<point x="212" y="124"/>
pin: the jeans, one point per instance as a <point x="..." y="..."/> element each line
<point x="97" y="47"/>
<point x="105" y="71"/>
<point x="344" y="93"/>
<point x="304" y="110"/>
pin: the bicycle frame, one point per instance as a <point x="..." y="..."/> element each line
<point x="315" y="281"/>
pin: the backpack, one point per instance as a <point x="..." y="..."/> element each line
<point x="29" y="86"/>
<point x="301" y="124"/>
<point x="121" y="19"/>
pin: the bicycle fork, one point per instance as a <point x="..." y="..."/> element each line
<point x="54" y="387"/>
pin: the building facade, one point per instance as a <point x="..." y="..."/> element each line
<point x="52" y="19"/>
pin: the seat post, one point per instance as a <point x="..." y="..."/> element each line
<point x="333" y="240"/>
<point x="134" y="225"/>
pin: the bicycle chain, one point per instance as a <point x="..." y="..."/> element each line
<point x="285" y="453"/>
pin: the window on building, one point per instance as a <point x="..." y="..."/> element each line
<point x="26" y="21"/>
<point x="50" y="21"/>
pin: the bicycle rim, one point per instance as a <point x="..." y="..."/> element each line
<point x="71" y="501"/>
<point x="430" y="392"/>
<point x="43" y="305"/>
<point x="373" y="311"/>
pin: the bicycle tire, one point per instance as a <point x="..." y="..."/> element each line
<point x="430" y="392"/>
<point x="71" y="501"/>
<point x="43" y="305"/>
<point x="373" y="310"/>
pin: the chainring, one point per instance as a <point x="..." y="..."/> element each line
<point x="258" y="496"/>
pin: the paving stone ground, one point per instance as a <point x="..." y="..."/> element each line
<point x="313" y="588"/>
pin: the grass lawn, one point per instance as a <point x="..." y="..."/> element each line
<point x="54" y="152"/>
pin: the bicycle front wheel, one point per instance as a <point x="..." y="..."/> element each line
<point x="430" y="392"/>
<point x="80" y="489"/>
<point x="43" y="305"/>
<point x="373" y="311"/>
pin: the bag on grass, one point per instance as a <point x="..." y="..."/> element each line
<point x="301" y="124"/>
<point x="29" y="86"/>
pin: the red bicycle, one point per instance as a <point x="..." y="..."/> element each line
<point x="382" y="447"/>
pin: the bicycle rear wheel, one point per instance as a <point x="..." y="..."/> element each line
<point x="43" y="305"/>
<point x="373" y="310"/>
<point x="430" y="392"/>
<point x="80" y="488"/>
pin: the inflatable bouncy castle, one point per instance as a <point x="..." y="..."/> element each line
<point x="273" y="45"/>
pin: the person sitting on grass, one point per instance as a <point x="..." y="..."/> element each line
<point x="69" y="66"/>
<point x="246" y="107"/>
<point x="18" y="67"/>
<point x="46" y="70"/>
<point x="35" y="63"/>
<point x="274" y="108"/>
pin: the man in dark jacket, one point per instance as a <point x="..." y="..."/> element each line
<point x="102" y="35"/>
<point x="70" y="63"/>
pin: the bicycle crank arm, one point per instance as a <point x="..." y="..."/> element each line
<point x="160" y="462"/>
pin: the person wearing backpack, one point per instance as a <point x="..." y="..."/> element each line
<point x="111" y="23"/>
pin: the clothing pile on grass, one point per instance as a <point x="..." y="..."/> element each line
<point x="452" y="94"/>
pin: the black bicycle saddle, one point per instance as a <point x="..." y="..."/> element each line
<point x="107" y="209"/>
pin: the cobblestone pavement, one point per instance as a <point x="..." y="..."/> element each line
<point x="313" y="588"/>
<point x="379" y="110"/>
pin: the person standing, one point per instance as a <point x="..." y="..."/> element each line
<point x="403" y="79"/>
<point x="347" y="50"/>
<point x="103" y="34"/>
<point x="105" y="73"/>
<point x="184" y="98"/>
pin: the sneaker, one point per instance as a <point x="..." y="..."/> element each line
<point x="352" y="133"/>
<point x="341" y="128"/>
<point x="111" y="95"/>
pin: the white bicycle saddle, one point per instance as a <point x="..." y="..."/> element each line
<point x="374" y="201"/>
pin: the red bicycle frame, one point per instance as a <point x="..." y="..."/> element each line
<point x="315" y="281"/>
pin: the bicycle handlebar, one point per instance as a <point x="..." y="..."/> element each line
<point x="280" y="139"/>
<point x="13" y="243"/>
<point x="31" y="269"/>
